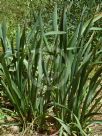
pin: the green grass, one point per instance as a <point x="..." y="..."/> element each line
<point x="45" y="72"/>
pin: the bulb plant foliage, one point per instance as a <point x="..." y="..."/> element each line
<point x="55" y="73"/>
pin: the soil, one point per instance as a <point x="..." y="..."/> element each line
<point x="96" y="130"/>
<point x="6" y="130"/>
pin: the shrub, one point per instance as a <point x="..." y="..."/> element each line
<point x="52" y="74"/>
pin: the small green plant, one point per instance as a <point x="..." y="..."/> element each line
<point x="2" y="116"/>
<point x="50" y="74"/>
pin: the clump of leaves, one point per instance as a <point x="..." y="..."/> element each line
<point x="49" y="73"/>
